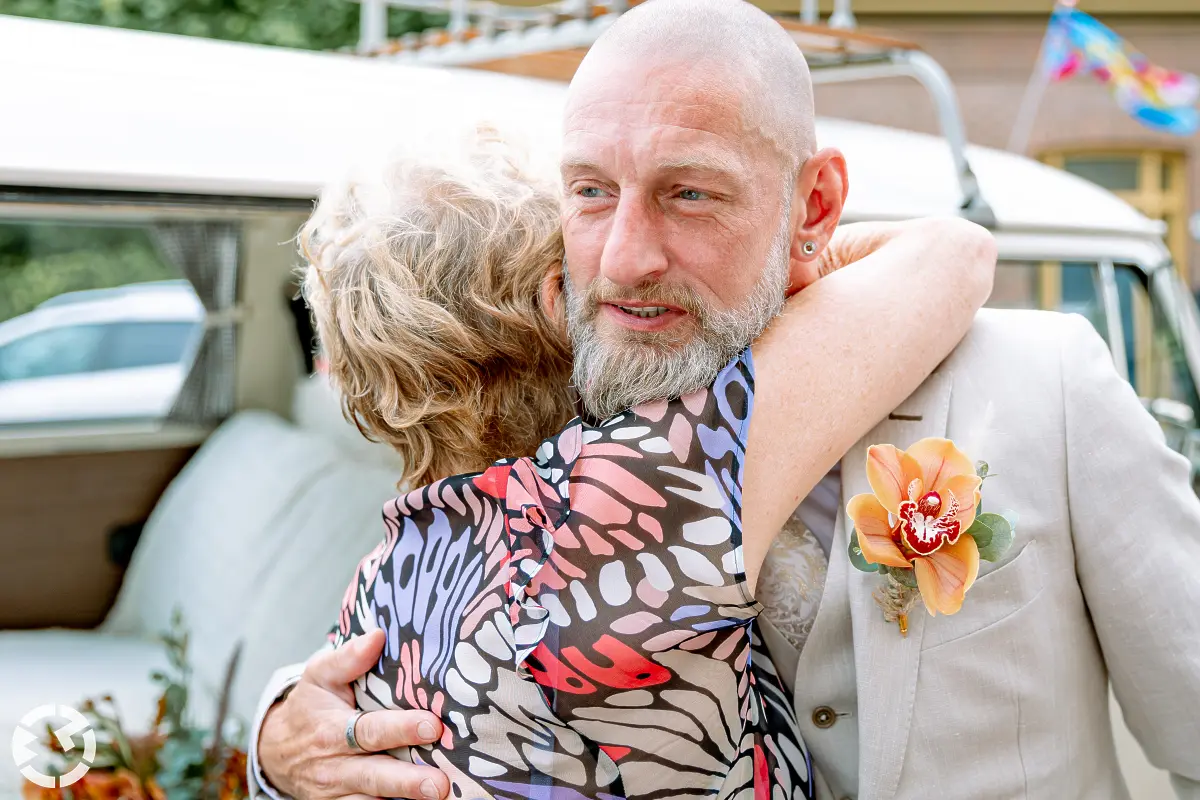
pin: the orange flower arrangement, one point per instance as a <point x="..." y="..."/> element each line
<point x="920" y="526"/>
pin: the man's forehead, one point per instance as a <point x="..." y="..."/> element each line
<point x="674" y="124"/>
<point x="693" y="95"/>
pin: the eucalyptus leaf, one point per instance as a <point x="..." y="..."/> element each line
<point x="1002" y="537"/>
<point x="1012" y="518"/>
<point x="856" y="555"/>
<point x="980" y="532"/>
<point x="981" y="469"/>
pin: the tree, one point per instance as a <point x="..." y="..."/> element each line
<point x="305" y="24"/>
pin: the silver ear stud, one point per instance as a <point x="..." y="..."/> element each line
<point x="810" y="247"/>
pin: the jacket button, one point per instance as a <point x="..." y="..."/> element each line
<point x="824" y="717"/>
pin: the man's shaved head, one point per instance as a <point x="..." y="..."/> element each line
<point x="735" y="45"/>
<point x="693" y="195"/>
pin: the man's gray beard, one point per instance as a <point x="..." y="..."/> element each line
<point x="612" y="375"/>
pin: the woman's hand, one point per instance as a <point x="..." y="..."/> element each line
<point x="302" y="747"/>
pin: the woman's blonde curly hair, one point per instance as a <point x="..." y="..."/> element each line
<point x="426" y="292"/>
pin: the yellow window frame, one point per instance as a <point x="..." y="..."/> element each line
<point x="1166" y="203"/>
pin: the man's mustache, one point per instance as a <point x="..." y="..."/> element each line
<point x="676" y="295"/>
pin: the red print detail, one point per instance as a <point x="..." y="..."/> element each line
<point x="629" y="670"/>
<point x="762" y="779"/>
<point x="548" y="671"/>
<point x="493" y="481"/>
<point x="614" y="752"/>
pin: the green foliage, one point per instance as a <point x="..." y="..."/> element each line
<point x="182" y="764"/>
<point x="40" y="261"/>
<point x="175" y="683"/>
<point x="858" y="559"/>
<point x="305" y="24"/>
<point x="980" y="532"/>
<point x="993" y="534"/>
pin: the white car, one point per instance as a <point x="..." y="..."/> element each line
<point x="99" y="355"/>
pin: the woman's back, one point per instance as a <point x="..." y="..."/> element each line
<point x="581" y="621"/>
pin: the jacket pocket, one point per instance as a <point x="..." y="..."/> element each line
<point x="995" y="596"/>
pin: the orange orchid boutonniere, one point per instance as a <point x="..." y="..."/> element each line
<point x="922" y="529"/>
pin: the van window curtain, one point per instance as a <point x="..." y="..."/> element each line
<point x="206" y="253"/>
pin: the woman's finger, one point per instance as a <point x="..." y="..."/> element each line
<point x="385" y="776"/>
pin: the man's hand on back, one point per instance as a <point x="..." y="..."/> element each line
<point x="302" y="748"/>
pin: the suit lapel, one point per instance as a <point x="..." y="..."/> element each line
<point x="885" y="662"/>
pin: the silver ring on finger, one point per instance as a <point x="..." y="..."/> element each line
<point x="351" y="740"/>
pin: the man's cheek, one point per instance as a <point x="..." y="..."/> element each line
<point x="584" y="246"/>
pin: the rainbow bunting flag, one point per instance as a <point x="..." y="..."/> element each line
<point x="1158" y="98"/>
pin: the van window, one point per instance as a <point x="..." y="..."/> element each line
<point x="130" y="345"/>
<point x="1068" y="286"/>
<point x="67" y="350"/>
<point x="1157" y="363"/>
<point x="95" y="306"/>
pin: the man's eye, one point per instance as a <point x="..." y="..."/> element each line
<point x="591" y="192"/>
<point x="692" y="194"/>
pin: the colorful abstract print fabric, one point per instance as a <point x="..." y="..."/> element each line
<point x="580" y="619"/>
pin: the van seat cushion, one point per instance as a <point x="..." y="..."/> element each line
<point x="317" y="544"/>
<point x="206" y="547"/>
<point x="256" y="541"/>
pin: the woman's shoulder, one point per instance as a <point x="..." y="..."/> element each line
<point x="533" y="487"/>
<point x="700" y="433"/>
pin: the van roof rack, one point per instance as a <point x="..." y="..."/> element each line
<point x="548" y="42"/>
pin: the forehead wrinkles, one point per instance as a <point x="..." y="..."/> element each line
<point x="701" y="96"/>
<point x="687" y="131"/>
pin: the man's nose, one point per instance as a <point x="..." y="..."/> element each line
<point x="634" y="251"/>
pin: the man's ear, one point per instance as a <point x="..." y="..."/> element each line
<point x="820" y="197"/>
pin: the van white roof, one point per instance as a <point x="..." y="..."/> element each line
<point x="100" y="108"/>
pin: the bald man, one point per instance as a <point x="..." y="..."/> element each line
<point x="689" y="154"/>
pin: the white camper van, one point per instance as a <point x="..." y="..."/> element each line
<point x="132" y="158"/>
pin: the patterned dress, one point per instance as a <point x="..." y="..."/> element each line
<point x="580" y="620"/>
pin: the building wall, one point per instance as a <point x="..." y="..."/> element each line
<point x="990" y="59"/>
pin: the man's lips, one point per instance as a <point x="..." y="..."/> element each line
<point x="642" y="316"/>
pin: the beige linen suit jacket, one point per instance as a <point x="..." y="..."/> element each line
<point x="1009" y="698"/>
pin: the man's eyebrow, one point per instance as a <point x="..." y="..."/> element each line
<point x="692" y="162"/>
<point x="700" y="162"/>
<point x="579" y="164"/>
